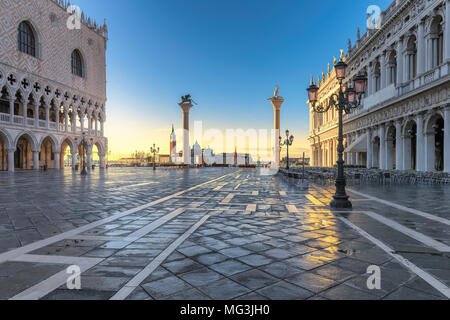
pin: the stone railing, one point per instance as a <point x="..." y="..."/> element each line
<point x="42" y="124"/>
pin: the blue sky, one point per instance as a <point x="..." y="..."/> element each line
<point x="229" y="54"/>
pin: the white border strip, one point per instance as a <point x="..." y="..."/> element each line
<point x="409" y="232"/>
<point x="403" y="208"/>
<point x="49" y="285"/>
<point x="10" y="255"/>
<point x="123" y="293"/>
<point x="432" y="281"/>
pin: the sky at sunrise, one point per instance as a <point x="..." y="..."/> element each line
<point x="228" y="54"/>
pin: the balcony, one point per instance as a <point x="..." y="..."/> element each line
<point x="42" y="124"/>
<point x="424" y="79"/>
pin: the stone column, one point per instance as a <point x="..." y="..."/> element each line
<point x="47" y="117"/>
<point x="319" y="155"/>
<point x="89" y="157"/>
<point x="102" y="128"/>
<point x="102" y="161"/>
<point x="420" y="144"/>
<point x="11" y="110"/>
<point x="399" y="146"/>
<point x="369" y="80"/>
<point x="186" y="108"/>
<point x="74" y="159"/>
<point x="82" y="121"/>
<point x="56" y="161"/>
<point x="369" y="149"/>
<point x="57" y="119"/>
<point x="96" y="126"/>
<point x="11" y="159"/>
<point x="447" y="32"/>
<point x="277" y="102"/>
<point x="429" y="156"/>
<point x="382" y="147"/>
<point x="89" y="117"/>
<point x="74" y="121"/>
<point x="66" y="120"/>
<point x="35" y="160"/>
<point x="36" y="115"/>
<point x="399" y="62"/>
<point x="420" y="49"/>
<point x="447" y="135"/>
<point x="383" y="70"/>
<point x="406" y="142"/>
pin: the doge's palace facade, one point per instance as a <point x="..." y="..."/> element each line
<point x="404" y="120"/>
<point x="52" y="86"/>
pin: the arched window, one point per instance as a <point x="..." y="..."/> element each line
<point x="377" y="77"/>
<point x="26" y="39"/>
<point x="392" y="68"/>
<point x="411" y="58"/>
<point x="77" y="63"/>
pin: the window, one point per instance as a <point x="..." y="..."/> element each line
<point x="77" y="63"/>
<point x="26" y="40"/>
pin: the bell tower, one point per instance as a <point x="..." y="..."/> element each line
<point x="173" y="146"/>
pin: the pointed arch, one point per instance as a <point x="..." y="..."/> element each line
<point x="7" y="139"/>
<point x="53" y="141"/>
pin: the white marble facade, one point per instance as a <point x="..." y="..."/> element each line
<point x="404" y="121"/>
<point x="52" y="86"/>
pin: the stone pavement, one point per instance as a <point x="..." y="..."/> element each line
<point x="215" y="234"/>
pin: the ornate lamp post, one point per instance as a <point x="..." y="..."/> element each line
<point x="154" y="151"/>
<point x="344" y="101"/>
<point x="288" y="142"/>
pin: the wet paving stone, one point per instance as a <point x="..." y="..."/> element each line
<point x="237" y="253"/>
<point x="285" y="291"/>
<point x="224" y="289"/>
<point x="164" y="287"/>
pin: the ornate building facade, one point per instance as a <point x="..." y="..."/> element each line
<point x="52" y="85"/>
<point x="404" y="120"/>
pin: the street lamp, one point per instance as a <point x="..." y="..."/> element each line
<point x="344" y="101"/>
<point x="288" y="142"/>
<point x="154" y="151"/>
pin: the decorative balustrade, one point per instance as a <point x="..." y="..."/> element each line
<point x="18" y="120"/>
<point x="42" y="124"/>
<point x="4" y="117"/>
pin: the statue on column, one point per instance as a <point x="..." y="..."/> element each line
<point x="187" y="99"/>
<point x="276" y="95"/>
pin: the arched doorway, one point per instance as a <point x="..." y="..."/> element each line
<point x="23" y="156"/>
<point x="391" y="148"/>
<point x="95" y="160"/>
<point x="3" y="154"/>
<point x="66" y="154"/>
<point x="410" y="146"/>
<point x="46" y="155"/>
<point x="434" y="144"/>
<point x="376" y="152"/>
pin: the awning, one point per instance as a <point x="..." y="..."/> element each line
<point x="359" y="145"/>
